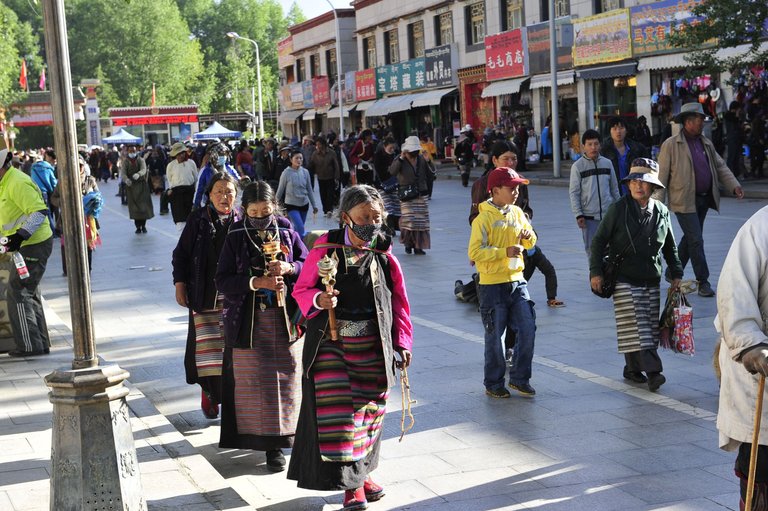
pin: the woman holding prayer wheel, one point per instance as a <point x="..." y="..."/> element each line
<point x="260" y="261"/>
<point x="356" y="291"/>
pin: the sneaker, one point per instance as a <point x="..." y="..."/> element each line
<point x="275" y="460"/>
<point x="706" y="290"/>
<point x="635" y="376"/>
<point x="354" y="500"/>
<point x="655" y="380"/>
<point x="523" y="388"/>
<point x="500" y="393"/>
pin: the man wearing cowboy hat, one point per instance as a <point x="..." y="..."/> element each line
<point x="181" y="173"/>
<point x="693" y="172"/>
<point x="24" y="223"/>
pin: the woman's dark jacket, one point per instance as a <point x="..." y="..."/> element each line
<point x="196" y="255"/>
<point x="407" y="174"/>
<point x="641" y="265"/>
<point x="235" y="270"/>
<point x="635" y="150"/>
<point x="381" y="162"/>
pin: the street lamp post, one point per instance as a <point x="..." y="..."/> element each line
<point x="234" y="35"/>
<point x="338" y="72"/>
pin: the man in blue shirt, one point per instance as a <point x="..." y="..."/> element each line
<point x="622" y="151"/>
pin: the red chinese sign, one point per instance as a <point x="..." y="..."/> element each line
<point x="365" y="84"/>
<point x="321" y="91"/>
<point x="154" y="119"/>
<point x="505" y="55"/>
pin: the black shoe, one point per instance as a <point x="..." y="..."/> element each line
<point x="163" y="212"/>
<point x="418" y="251"/>
<point x="144" y="230"/>
<point x="275" y="460"/>
<point x="635" y="376"/>
<point x="706" y="290"/>
<point x="501" y="393"/>
<point x="655" y="380"/>
<point x="20" y="354"/>
<point x="524" y="389"/>
<point x="138" y="230"/>
<point x="408" y="250"/>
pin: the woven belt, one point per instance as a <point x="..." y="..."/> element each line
<point x="348" y="328"/>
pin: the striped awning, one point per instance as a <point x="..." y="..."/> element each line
<point x="504" y="87"/>
<point x="545" y="81"/>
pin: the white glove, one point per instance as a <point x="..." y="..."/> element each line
<point x="136" y="176"/>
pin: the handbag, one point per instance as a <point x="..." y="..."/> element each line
<point x="407" y="192"/>
<point x="389" y="185"/>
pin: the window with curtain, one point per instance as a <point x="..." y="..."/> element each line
<point x="392" y="55"/>
<point x="513" y="14"/>
<point x="301" y="72"/>
<point x="562" y="8"/>
<point x="444" y="28"/>
<point x="369" y="52"/>
<point x="330" y="64"/>
<point x="416" y="40"/>
<point x="475" y="23"/>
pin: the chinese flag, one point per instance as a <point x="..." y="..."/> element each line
<point x="23" y="76"/>
<point x="153" y="94"/>
<point x="41" y="83"/>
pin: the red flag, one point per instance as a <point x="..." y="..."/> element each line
<point x="41" y="83"/>
<point x="23" y="76"/>
<point x="153" y="94"/>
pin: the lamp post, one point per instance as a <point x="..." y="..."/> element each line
<point x="234" y="35"/>
<point x="338" y="72"/>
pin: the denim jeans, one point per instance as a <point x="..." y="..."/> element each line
<point x="297" y="218"/>
<point x="507" y="308"/>
<point x="691" y="245"/>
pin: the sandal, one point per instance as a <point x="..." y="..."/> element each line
<point x="555" y="303"/>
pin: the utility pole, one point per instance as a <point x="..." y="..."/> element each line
<point x="554" y="129"/>
<point x="93" y="457"/>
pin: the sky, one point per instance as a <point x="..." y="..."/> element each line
<point x="313" y="8"/>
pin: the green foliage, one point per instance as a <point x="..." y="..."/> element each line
<point x="727" y="23"/>
<point x="13" y="36"/>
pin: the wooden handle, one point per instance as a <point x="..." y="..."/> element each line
<point x="755" y="439"/>
<point x="332" y="318"/>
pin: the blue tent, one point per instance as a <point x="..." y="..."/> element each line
<point x="217" y="131"/>
<point x="121" y="137"/>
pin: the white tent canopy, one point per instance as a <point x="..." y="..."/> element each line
<point x="216" y="130"/>
<point x="121" y="137"/>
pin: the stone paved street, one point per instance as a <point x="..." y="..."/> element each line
<point x="587" y="441"/>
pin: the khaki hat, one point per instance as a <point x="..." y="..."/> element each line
<point x="177" y="148"/>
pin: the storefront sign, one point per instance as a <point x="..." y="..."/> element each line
<point x="401" y="77"/>
<point x="652" y="23"/>
<point x="440" y="66"/>
<point x="505" y="55"/>
<point x="321" y="91"/>
<point x="306" y="93"/>
<point x="602" y="38"/>
<point x="284" y="51"/>
<point x="348" y="87"/>
<point x="365" y="84"/>
<point x="153" y="119"/>
<point x="297" y="94"/>
<point x="539" y="41"/>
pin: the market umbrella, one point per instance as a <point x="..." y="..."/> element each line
<point x="121" y="137"/>
<point x="216" y="130"/>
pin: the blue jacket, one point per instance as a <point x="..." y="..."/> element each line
<point x="43" y="175"/>
<point x="205" y="176"/>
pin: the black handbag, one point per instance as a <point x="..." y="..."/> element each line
<point x="408" y="192"/>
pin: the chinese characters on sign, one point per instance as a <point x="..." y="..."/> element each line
<point x="602" y="38"/>
<point x="505" y="55"/>
<point x="652" y="23"/>
<point x="440" y="66"/>
<point x="401" y="77"/>
<point x="538" y="46"/>
<point x="365" y="85"/>
<point x="321" y="91"/>
<point x="306" y="91"/>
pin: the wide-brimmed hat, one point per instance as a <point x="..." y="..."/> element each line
<point x="411" y="144"/>
<point x="505" y="176"/>
<point x="177" y="149"/>
<point x="689" y="109"/>
<point x="644" y="169"/>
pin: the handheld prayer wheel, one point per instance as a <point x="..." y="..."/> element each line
<point x="326" y="268"/>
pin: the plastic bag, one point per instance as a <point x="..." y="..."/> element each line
<point x="682" y="334"/>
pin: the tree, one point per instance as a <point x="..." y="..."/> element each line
<point x="16" y="42"/>
<point x="724" y="24"/>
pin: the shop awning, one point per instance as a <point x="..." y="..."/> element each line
<point x="333" y="113"/>
<point x="599" y="73"/>
<point x="309" y="115"/>
<point x="545" y="81"/>
<point x="364" y="105"/>
<point x="390" y="105"/>
<point x="431" y="98"/>
<point x="322" y="110"/>
<point x="290" y="116"/>
<point x="728" y="53"/>
<point x="504" y="87"/>
<point x="671" y="61"/>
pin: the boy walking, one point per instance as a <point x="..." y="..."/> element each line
<point x="500" y="233"/>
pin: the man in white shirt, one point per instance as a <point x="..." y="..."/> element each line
<point x="182" y="177"/>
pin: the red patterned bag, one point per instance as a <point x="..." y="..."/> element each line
<point x="682" y="334"/>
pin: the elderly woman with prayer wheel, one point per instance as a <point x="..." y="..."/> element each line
<point x="358" y="317"/>
<point x="411" y="171"/>
<point x="194" y="268"/>
<point x="637" y="229"/>
<point x="261" y="259"/>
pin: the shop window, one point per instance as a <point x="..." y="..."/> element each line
<point x="475" y="16"/>
<point x="512" y="14"/>
<point x="615" y="97"/>
<point x="607" y="5"/>
<point x="444" y="28"/>
<point x="301" y="72"/>
<point x="391" y="47"/>
<point x="314" y="65"/>
<point x="369" y="52"/>
<point x="416" y="40"/>
<point x="562" y="8"/>
<point x="330" y="65"/>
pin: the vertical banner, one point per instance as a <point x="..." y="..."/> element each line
<point x="440" y="65"/>
<point x="365" y="85"/>
<point x="321" y="91"/>
<point x="306" y="90"/>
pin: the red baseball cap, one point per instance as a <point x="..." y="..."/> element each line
<point x="505" y="176"/>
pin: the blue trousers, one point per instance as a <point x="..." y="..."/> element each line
<point x="297" y="218"/>
<point x="507" y="308"/>
<point x="691" y="245"/>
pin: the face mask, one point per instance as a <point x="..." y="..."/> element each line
<point x="260" y="222"/>
<point x="365" y="232"/>
<point x="222" y="161"/>
<point x="132" y="155"/>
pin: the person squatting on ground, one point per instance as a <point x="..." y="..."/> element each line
<point x="593" y="187"/>
<point x="24" y="221"/>
<point x="346" y="382"/>
<point x="411" y="169"/>
<point x="195" y="261"/>
<point x="639" y="228"/>
<point x="134" y="175"/>
<point x="500" y="233"/>
<point x="296" y="193"/>
<point x="693" y="173"/>
<point x="742" y="310"/>
<point x="181" y="173"/>
<point x="262" y="359"/>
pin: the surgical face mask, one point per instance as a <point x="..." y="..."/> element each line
<point x="260" y="222"/>
<point x="365" y="232"/>
<point x="132" y="155"/>
<point x="222" y="161"/>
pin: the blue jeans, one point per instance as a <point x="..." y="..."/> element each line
<point x="507" y="308"/>
<point x="297" y="218"/>
<point x="691" y="245"/>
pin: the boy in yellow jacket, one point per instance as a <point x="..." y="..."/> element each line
<point x="499" y="234"/>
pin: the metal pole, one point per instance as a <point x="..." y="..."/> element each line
<point x="253" y="105"/>
<point x="278" y="123"/>
<point x="555" y="127"/>
<point x="258" y="79"/>
<point x="338" y="72"/>
<point x="64" y="133"/>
